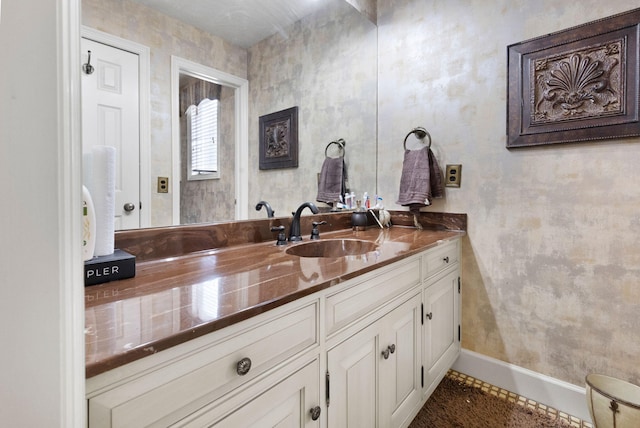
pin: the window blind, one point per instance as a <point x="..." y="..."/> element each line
<point x="202" y="121"/>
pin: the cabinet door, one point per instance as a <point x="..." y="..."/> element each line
<point x="285" y="403"/>
<point x="441" y="323"/>
<point x="374" y="376"/>
<point x="352" y="387"/>
<point x="400" y="389"/>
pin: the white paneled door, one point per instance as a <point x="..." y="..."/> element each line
<point x="110" y="116"/>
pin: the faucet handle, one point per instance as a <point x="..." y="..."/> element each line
<point x="282" y="239"/>
<point x="315" y="233"/>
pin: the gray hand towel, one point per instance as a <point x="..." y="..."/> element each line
<point x="421" y="179"/>
<point x="332" y="180"/>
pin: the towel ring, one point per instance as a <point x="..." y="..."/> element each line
<point x="420" y="134"/>
<point x="341" y="143"/>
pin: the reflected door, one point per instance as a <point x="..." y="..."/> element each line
<point x="110" y="116"/>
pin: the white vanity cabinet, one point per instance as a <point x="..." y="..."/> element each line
<point x="289" y="398"/>
<point x="374" y="375"/>
<point x="386" y="363"/>
<point x="165" y="388"/>
<point x="441" y="343"/>
<point x="364" y="353"/>
<point x="441" y="307"/>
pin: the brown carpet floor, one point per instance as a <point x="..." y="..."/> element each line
<point x="455" y="404"/>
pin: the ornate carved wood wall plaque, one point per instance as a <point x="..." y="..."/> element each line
<point x="578" y="84"/>
<point x="279" y="139"/>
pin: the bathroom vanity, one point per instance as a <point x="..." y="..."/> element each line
<point x="251" y="335"/>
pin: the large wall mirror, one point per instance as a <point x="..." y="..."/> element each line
<point x="324" y="63"/>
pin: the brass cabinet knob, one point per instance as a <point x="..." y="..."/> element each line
<point x="429" y="315"/>
<point x="392" y="348"/>
<point x="243" y="366"/>
<point x="446" y="259"/>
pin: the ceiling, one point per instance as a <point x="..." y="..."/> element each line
<point x="241" y="22"/>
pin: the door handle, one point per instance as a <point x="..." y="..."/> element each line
<point x="128" y="207"/>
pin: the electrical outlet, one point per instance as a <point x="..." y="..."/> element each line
<point x="163" y="184"/>
<point x="453" y="176"/>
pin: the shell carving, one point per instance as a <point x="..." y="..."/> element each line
<point x="578" y="85"/>
<point x="573" y="83"/>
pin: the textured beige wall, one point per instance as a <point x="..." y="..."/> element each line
<point x="325" y="65"/>
<point x="165" y="37"/>
<point x="551" y="272"/>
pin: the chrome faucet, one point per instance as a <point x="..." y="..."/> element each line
<point x="267" y="207"/>
<point x="294" y="231"/>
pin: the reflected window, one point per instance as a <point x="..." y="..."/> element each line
<point x="203" y="137"/>
<point x="200" y="111"/>
<point x="206" y="300"/>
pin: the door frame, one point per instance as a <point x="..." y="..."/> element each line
<point x="144" y="101"/>
<point x="241" y="127"/>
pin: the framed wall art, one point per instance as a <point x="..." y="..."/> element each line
<point x="579" y="84"/>
<point x="279" y="139"/>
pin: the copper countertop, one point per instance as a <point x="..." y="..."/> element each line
<point x="173" y="300"/>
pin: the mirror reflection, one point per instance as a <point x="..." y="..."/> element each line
<point x="210" y="109"/>
<point x="324" y="63"/>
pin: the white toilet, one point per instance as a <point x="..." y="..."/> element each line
<point x="613" y="403"/>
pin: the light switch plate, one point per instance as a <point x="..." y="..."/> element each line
<point x="453" y="176"/>
<point x="163" y="184"/>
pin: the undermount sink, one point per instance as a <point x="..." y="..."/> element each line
<point x="332" y="248"/>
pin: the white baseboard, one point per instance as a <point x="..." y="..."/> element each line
<point x="563" y="396"/>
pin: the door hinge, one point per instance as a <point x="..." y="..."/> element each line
<point x="327" y="382"/>
<point x="422" y="313"/>
<point x="422" y="376"/>
<point x="458" y="332"/>
<point x="458" y="285"/>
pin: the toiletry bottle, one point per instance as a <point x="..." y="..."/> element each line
<point x="88" y="225"/>
<point x="367" y="202"/>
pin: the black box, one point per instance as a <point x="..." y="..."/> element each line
<point x="119" y="265"/>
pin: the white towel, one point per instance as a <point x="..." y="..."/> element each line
<point x="103" y="192"/>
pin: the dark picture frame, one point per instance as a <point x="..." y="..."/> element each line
<point x="576" y="85"/>
<point x="279" y="139"/>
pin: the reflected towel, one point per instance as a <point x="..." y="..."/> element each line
<point x="421" y="179"/>
<point x="103" y="193"/>
<point x="332" y="180"/>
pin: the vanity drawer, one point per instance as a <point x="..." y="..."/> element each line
<point x="438" y="258"/>
<point x="173" y="391"/>
<point x="380" y="287"/>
